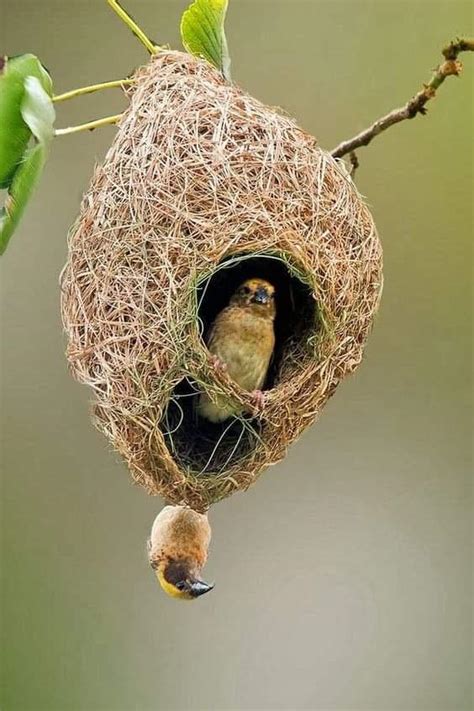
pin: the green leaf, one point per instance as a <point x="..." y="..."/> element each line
<point x="26" y="112"/>
<point x="21" y="188"/>
<point x="37" y="110"/>
<point x="14" y="132"/>
<point x="202" y="32"/>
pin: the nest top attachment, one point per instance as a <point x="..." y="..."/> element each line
<point x="203" y="186"/>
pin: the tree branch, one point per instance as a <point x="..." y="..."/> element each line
<point x="90" y="126"/>
<point x="132" y="25"/>
<point x="451" y="66"/>
<point x="116" y="83"/>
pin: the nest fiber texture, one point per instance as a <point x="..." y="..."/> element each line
<point x="200" y="172"/>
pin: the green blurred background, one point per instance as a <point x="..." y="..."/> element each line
<point x="344" y="575"/>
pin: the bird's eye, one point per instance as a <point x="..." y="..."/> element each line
<point x="181" y="585"/>
<point x="245" y="290"/>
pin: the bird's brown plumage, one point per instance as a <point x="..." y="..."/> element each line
<point x="177" y="551"/>
<point x="242" y="339"/>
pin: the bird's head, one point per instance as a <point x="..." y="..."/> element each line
<point x="178" y="579"/>
<point x="177" y="551"/>
<point x="257" y="294"/>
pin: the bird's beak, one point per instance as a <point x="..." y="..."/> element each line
<point x="261" y="296"/>
<point x="188" y="590"/>
<point x="199" y="587"/>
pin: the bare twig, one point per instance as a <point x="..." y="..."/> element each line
<point x="354" y="162"/>
<point x="451" y="66"/>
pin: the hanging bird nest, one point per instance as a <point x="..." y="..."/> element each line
<point x="202" y="188"/>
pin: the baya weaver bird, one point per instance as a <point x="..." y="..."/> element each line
<point x="242" y="339"/>
<point x="177" y="551"/>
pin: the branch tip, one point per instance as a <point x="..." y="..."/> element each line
<point x="451" y="66"/>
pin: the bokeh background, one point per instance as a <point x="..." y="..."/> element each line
<point x="344" y="575"/>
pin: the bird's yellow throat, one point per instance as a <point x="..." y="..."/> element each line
<point x="170" y="589"/>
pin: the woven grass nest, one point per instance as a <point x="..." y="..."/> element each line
<point x="203" y="187"/>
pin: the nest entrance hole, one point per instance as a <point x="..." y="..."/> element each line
<point x="296" y="309"/>
<point x="201" y="447"/>
<point x="197" y="445"/>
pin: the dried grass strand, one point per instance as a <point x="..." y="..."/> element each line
<point x="200" y="172"/>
